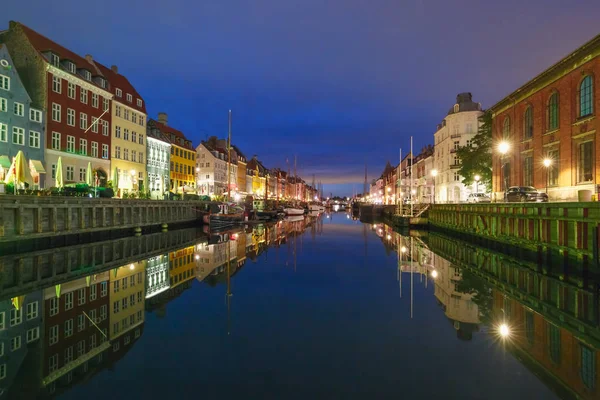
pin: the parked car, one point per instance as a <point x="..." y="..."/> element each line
<point x="478" y="198"/>
<point x="524" y="194"/>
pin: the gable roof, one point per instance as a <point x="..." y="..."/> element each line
<point x="117" y="80"/>
<point x="43" y="44"/>
<point x="168" y="131"/>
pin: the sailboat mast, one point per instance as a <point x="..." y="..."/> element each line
<point x="229" y="161"/>
<point x="296" y="176"/>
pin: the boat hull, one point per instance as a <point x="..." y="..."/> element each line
<point x="293" y="211"/>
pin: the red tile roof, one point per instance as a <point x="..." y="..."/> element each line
<point x="43" y="44"/>
<point x="168" y="131"/>
<point x="117" y="80"/>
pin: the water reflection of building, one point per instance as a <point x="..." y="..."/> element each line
<point x="71" y="341"/>
<point x="20" y="323"/>
<point x="127" y="294"/>
<point x="157" y="275"/>
<point x="458" y="306"/>
<point x="181" y="266"/>
<point x="212" y="258"/>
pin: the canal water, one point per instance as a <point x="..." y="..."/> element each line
<point x="324" y="307"/>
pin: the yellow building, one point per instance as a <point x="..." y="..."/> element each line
<point x="128" y="133"/>
<point x="241" y="169"/>
<point x="181" y="266"/>
<point x="256" y="170"/>
<point x="183" y="156"/>
<point x="127" y="294"/>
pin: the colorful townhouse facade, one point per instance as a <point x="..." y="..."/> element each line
<point x="127" y="298"/>
<point x="22" y="126"/>
<point x="158" y="162"/>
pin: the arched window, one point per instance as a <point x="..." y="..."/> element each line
<point x="586" y="97"/>
<point x="506" y="128"/>
<point x="553" y="112"/>
<point x="456" y="108"/>
<point x="528" y="123"/>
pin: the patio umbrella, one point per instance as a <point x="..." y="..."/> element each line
<point x="88" y="175"/>
<point x="19" y="170"/>
<point x="60" y="182"/>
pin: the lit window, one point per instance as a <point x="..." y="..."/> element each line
<point x="586" y="97"/>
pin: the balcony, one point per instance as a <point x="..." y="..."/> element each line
<point x="454" y="166"/>
<point x="455" y="136"/>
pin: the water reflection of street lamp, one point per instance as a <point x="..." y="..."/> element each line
<point x="477" y="178"/>
<point x="547" y="164"/>
<point x="504" y="330"/>
<point x="434" y="274"/>
<point x="434" y="174"/>
<point x="403" y="249"/>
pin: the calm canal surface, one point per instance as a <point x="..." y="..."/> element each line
<point x="322" y="308"/>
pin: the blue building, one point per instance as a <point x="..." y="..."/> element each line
<point x="21" y="125"/>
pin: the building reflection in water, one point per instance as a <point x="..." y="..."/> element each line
<point x="83" y="311"/>
<point x="552" y="318"/>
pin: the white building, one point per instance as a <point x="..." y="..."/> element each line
<point x="158" y="158"/>
<point x="456" y="130"/>
<point x="422" y="169"/>
<point x="157" y="275"/>
<point x="211" y="168"/>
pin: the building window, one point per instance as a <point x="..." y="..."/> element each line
<point x="104" y="104"/>
<point x="53" y="335"/>
<point x="94" y="149"/>
<point x="528" y="171"/>
<point x="124" y="303"/>
<point x="80" y="322"/>
<point x="133" y="137"/>
<point x="95" y="125"/>
<point x="118" y="111"/>
<point x="118" y="92"/>
<point x="104" y="128"/>
<point x="83" y="147"/>
<point x="118" y="132"/>
<point x="82" y="172"/>
<point x="139" y="102"/>
<point x="32" y="310"/>
<point x="585" y="162"/>
<point x="55" y="141"/>
<point x="116" y="307"/>
<point x="34" y="139"/>
<point x="133" y="156"/>
<point x="126" y="114"/>
<point x="588" y="367"/>
<point x="105" y="151"/>
<point x="80" y="348"/>
<point x="118" y="152"/>
<point x="70" y="117"/>
<point x="3" y="104"/>
<point x="54" y="306"/>
<point x="528" y="123"/>
<point x="87" y="75"/>
<point x="69" y="328"/>
<point x="35" y="115"/>
<point x="56" y="84"/>
<point x="15" y="343"/>
<point x="55" y="112"/>
<point x="16" y="317"/>
<point x="93" y="341"/>
<point x="18" y="136"/>
<point x="552" y="113"/>
<point x="103" y="312"/>
<point x="141" y="139"/>
<point x="4" y="82"/>
<point x="71" y="90"/>
<point x="70" y="173"/>
<point x="506" y="128"/>
<point x="19" y="109"/>
<point x="54" y="60"/>
<point x="456" y="177"/>
<point x="69" y="296"/>
<point x="93" y="292"/>
<point x="129" y="98"/>
<point x="126" y="134"/>
<point x="586" y="97"/>
<point x="33" y="334"/>
<point x="94" y="100"/>
<point x="68" y="355"/>
<point x="126" y="154"/>
<point x="71" y="144"/>
<point x="83" y="121"/>
<point x="456" y="145"/>
<point x="83" y="95"/>
<point x="554" y="343"/>
<point x="141" y="158"/>
<point x="3" y="132"/>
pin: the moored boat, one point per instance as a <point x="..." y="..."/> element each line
<point x="293" y="211"/>
<point x="316" y="207"/>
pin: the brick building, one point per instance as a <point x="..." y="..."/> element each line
<point x="551" y="117"/>
<point x="75" y="96"/>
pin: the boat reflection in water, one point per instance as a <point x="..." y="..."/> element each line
<point x="68" y="313"/>
<point x="548" y="319"/>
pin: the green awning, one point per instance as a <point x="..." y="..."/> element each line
<point x="4" y="162"/>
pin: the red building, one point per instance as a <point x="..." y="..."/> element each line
<point x="75" y="96"/>
<point x="551" y="118"/>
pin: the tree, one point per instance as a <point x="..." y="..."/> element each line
<point x="476" y="159"/>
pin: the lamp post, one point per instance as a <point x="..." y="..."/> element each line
<point x="477" y="178"/>
<point x="434" y="174"/>
<point x="547" y="164"/>
<point x="503" y="148"/>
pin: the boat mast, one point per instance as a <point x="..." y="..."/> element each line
<point x="296" y="176"/>
<point x="229" y="161"/>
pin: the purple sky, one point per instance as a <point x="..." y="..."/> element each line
<point x="336" y="82"/>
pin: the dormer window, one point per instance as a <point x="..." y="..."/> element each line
<point x="87" y="75"/>
<point x="119" y="93"/>
<point x="139" y="102"/>
<point x="69" y="66"/>
<point x="456" y="108"/>
<point x="129" y="98"/>
<point x="54" y="60"/>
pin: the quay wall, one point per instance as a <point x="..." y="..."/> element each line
<point x="567" y="229"/>
<point x="37" y="217"/>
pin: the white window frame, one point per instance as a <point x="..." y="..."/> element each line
<point x="83" y="121"/>
<point x="32" y="310"/>
<point x="72" y="90"/>
<point x="95" y="122"/>
<point x="4" y="82"/>
<point x="95" y="100"/>
<point x="93" y="292"/>
<point x="3" y="105"/>
<point x="53" y="333"/>
<point x="35" y="137"/>
<point x="83" y="95"/>
<point x="68" y="301"/>
<point x="35" y="115"/>
<point x="19" y="133"/>
<point x="3" y="132"/>
<point x="82" y="172"/>
<point x="56" y="111"/>
<point x="80" y="322"/>
<point x="53" y="363"/>
<point x="56" y="84"/>
<point x="139" y="103"/>
<point x="104" y="104"/>
<point x="70" y="144"/>
<point x="54" y="306"/>
<point x="70" y="177"/>
<point x="105" y="151"/>
<point x="118" y="92"/>
<point x="19" y="109"/>
<point x="129" y="98"/>
<point x="15" y="343"/>
<point x="105" y="128"/>
<point x="33" y="334"/>
<point x="68" y="328"/>
<point x="70" y="117"/>
<point x="17" y="317"/>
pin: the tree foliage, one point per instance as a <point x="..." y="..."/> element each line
<point x="481" y="291"/>
<point x="477" y="158"/>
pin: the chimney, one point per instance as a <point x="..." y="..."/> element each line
<point x="89" y="58"/>
<point x="162" y="118"/>
<point x="114" y="69"/>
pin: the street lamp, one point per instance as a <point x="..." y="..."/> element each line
<point x="434" y="173"/>
<point x="547" y="164"/>
<point x="503" y="148"/>
<point x="477" y="178"/>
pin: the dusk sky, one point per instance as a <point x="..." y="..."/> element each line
<point x="335" y="82"/>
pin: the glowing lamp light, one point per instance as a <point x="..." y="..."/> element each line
<point x="503" y="147"/>
<point x="434" y="274"/>
<point x="477" y="178"/>
<point x="413" y="191"/>
<point x="380" y="231"/>
<point x="547" y="162"/>
<point x="504" y="330"/>
<point x="434" y="173"/>
<point x="131" y="266"/>
<point x="197" y="256"/>
<point x="237" y="197"/>
<point x="197" y="169"/>
<point x="403" y="249"/>
<point x="389" y="237"/>
<point x="389" y="189"/>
